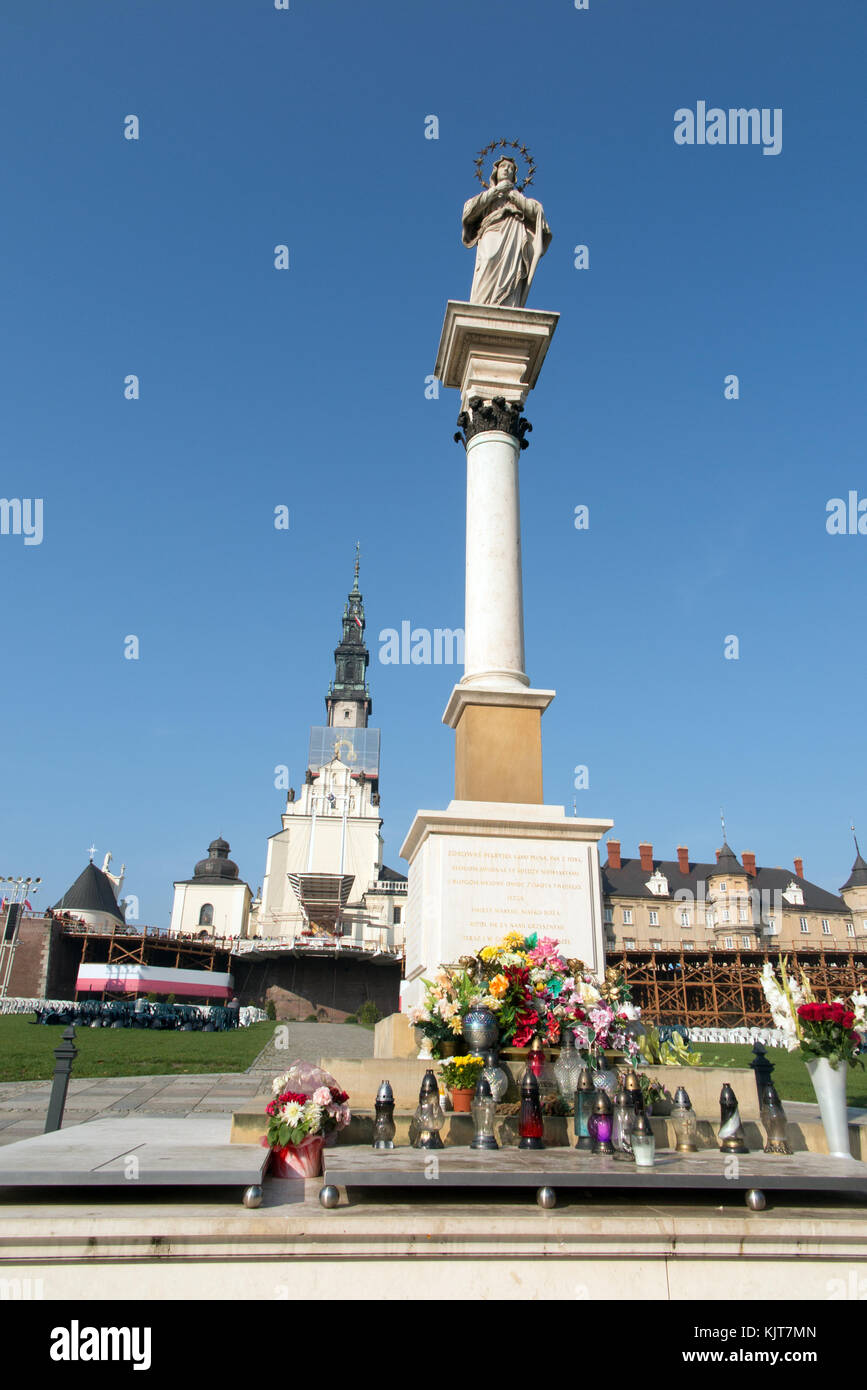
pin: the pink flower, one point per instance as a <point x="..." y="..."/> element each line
<point x="601" y="1016"/>
<point x="322" y="1096"/>
<point x="547" y="952"/>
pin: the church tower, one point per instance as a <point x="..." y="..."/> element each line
<point x="324" y="875"/>
<point x="348" y="700"/>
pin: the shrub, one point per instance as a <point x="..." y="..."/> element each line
<point x="271" y="1010"/>
<point x="311" y="1018"/>
<point x="350" y="1018"/>
<point x="369" y="1014"/>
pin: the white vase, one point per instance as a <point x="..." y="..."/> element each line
<point x="829" y="1083"/>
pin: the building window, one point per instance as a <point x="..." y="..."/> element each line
<point x="627" y="916"/>
<point x="726" y="916"/>
<point x="654" y="918"/>
<point x="609" y="914"/>
<point x="629" y="944"/>
<point x="826" y="927"/>
<point x="742" y="914"/>
<point x="206" y="915"/>
<point x="684" y="919"/>
<point x="689" y="945"/>
<point x="722" y="888"/>
<point x="397" y="914"/>
<point x="656" y="945"/>
<point x="850" y="930"/>
<point x="772" y="926"/>
<point x="729" y="943"/>
<point x="805" y="926"/>
<point x="746" y="942"/>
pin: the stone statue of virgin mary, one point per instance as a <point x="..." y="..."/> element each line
<point x="510" y="235"/>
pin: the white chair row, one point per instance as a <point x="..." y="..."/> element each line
<point x="768" y="1037"/>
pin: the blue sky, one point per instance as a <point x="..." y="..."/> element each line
<point x="306" y="388"/>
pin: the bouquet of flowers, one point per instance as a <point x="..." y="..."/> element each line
<point x="447" y="999"/>
<point x="307" y="1104"/>
<point x="827" y="1031"/>
<point x="819" y="1030"/>
<point x="536" y="992"/>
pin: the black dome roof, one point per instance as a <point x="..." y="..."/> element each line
<point x="218" y="867"/>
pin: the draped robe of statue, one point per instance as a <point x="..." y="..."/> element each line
<point x="511" y="235"/>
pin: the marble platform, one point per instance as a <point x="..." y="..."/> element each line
<point x="113" y="1244"/>
<point x="135" y="1152"/>
<point x="706" y="1171"/>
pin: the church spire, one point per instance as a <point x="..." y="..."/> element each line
<point x="348" y="700"/>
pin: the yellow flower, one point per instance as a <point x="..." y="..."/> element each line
<point x="498" y="986"/>
<point x="456" y="1024"/>
<point x="514" y="941"/>
<point x="488" y="953"/>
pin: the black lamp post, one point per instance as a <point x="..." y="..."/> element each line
<point x="763" y="1070"/>
<point x="65" y="1055"/>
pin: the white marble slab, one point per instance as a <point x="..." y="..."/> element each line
<point x="190" y="1152"/>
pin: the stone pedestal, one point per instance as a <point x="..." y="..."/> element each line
<point x="481" y="869"/>
<point x="489" y="351"/>
<point x="498" y="743"/>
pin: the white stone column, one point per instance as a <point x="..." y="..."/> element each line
<point x="494" y="620"/>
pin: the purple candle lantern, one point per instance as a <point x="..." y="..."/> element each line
<point x="601" y="1124"/>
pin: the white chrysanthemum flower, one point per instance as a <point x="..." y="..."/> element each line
<point x="280" y="1083"/>
<point x="293" y="1112"/>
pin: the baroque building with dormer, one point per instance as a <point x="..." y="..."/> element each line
<point x="324" y="875"/>
<point x="728" y="905"/>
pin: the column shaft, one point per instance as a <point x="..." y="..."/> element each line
<point x="494" y="622"/>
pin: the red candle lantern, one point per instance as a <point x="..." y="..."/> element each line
<point x="531" y="1124"/>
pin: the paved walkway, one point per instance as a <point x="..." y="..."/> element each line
<point x="308" y="1042"/>
<point x="24" y="1104"/>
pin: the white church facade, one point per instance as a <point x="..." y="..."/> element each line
<point x="325" y="882"/>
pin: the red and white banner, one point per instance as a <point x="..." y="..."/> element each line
<point x="154" y="979"/>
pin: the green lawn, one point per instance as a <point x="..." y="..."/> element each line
<point x="790" y="1077"/>
<point x="27" y="1050"/>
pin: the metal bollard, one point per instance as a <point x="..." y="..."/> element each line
<point x="65" y="1054"/>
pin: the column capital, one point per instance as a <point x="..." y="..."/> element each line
<point x="500" y="415"/>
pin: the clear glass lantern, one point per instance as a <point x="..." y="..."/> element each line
<point x="484" y="1110"/>
<point x="429" y="1118"/>
<point x="496" y="1077"/>
<point x="773" y="1118"/>
<point x="624" y="1122"/>
<point x="567" y="1068"/>
<point x="684" y="1122"/>
<point x="643" y="1142"/>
